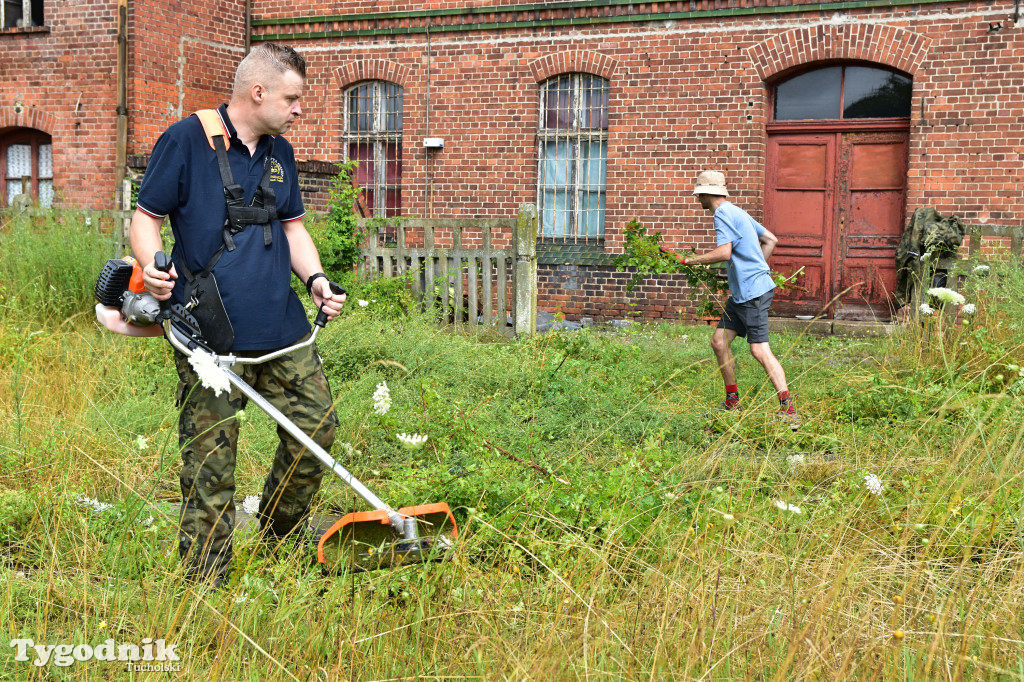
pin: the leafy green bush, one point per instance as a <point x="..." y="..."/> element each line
<point x="337" y="235"/>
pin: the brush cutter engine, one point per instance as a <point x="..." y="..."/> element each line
<point x="120" y="287"/>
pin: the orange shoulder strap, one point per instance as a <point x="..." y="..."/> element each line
<point x="212" y="125"/>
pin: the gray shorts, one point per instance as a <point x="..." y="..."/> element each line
<point x="750" y="318"/>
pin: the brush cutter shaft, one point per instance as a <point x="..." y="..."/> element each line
<point x="312" y="446"/>
<point x="396" y="520"/>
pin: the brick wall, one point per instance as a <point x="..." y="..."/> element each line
<point x="63" y="74"/>
<point x="688" y="91"/>
<point x="686" y="94"/>
<point x="183" y="57"/>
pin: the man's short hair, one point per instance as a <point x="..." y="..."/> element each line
<point x="266" y="60"/>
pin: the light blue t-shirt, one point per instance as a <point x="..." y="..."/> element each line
<point x="749" y="274"/>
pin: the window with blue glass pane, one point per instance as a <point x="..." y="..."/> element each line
<point x="573" y="157"/>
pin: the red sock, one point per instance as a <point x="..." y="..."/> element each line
<point x="786" y="401"/>
<point x="732" y="395"/>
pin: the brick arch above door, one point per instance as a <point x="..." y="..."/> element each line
<point x="28" y="117"/>
<point x="895" y="47"/>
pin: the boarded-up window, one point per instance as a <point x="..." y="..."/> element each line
<point x="373" y="137"/>
<point x="573" y="154"/>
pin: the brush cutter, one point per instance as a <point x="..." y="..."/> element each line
<point x="382" y="538"/>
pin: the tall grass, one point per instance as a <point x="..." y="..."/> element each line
<point x="654" y="547"/>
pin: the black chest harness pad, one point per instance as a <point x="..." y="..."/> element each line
<point x="202" y="295"/>
<point x="263" y="209"/>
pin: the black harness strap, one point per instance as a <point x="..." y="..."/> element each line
<point x="263" y="209"/>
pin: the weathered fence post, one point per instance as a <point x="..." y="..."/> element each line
<point x="525" y="249"/>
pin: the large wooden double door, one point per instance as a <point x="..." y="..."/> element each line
<point x="836" y="201"/>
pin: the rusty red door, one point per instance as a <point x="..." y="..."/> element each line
<point x="800" y="209"/>
<point x="836" y="202"/>
<point x="872" y="178"/>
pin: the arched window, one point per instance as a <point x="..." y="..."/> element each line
<point x="573" y="153"/>
<point x="843" y="92"/>
<point x="373" y="137"/>
<point x="26" y="157"/>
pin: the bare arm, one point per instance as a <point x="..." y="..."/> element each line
<point x="144" y="237"/>
<point x="306" y="262"/>
<point x="718" y="255"/>
<point x="768" y="243"/>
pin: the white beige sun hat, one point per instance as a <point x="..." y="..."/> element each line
<point x="711" y="182"/>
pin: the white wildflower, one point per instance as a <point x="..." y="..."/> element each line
<point x="728" y="517"/>
<point x="873" y="483"/>
<point x="382" y="399"/>
<point x="946" y="295"/>
<point x="363" y="304"/>
<point x="969" y="309"/>
<point x="141" y="442"/>
<point x="209" y="372"/>
<point x="795" y="459"/>
<point x="785" y="506"/>
<point x="94" y="504"/>
<point x="412" y="441"/>
<point x="926" y="309"/>
<point x="981" y="270"/>
<point x="146" y="522"/>
<point x="251" y="504"/>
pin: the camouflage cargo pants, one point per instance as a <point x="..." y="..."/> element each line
<point x="208" y="434"/>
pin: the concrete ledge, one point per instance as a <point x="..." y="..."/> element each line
<point x="852" y="328"/>
<point x="825" y="327"/>
<point x="818" y="327"/>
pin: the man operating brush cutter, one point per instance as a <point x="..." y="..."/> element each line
<point x="227" y="180"/>
<point x="745" y="245"/>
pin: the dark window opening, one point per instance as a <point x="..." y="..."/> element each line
<point x="843" y="92"/>
<point x="14" y="13"/>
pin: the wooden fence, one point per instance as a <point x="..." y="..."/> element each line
<point x="470" y="280"/>
<point x="975" y="234"/>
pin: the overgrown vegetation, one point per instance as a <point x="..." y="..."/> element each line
<point x="610" y="524"/>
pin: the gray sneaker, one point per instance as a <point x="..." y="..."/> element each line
<point x="788" y="416"/>
<point x="724" y="407"/>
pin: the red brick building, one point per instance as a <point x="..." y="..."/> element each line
<point x="832" y="121"/>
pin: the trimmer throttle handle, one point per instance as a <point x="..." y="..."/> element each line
<point x="321" y="316"/>
<point x="163" y="263"/>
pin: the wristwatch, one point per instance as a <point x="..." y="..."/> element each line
<point x="312" y="278"/>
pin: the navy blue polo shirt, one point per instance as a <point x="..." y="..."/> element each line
<point x="183" y="181"/>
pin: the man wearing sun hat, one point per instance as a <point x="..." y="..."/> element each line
<point x="745" y="245"/>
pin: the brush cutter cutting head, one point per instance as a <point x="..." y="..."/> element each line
<point x="366" y="541"/>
